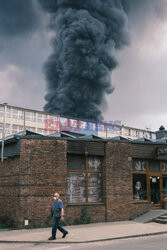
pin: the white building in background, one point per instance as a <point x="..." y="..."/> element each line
<point x="16" y="119"/>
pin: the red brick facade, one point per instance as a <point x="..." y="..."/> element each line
<point x="27" y="184"/>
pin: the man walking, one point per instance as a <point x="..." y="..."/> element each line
<point x="57" y="212"/>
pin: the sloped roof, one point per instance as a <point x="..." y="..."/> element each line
<point x="91" y="136"/>
<point x="119" y="138"/>
<point x="142" y="139"/>
<point x="162" y="140"/>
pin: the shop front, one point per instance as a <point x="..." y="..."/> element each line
<point x="150" y="180"/>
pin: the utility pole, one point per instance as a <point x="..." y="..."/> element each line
<point x="3" y="133"/>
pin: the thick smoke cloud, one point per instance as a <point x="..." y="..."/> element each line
<point x="24" y="46"/>
<point x="18" y="17"/>
<point x="79" y="70"/>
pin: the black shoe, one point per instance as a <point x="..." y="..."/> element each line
<point x="64" y="235"/>
<point x="51" y="238"/>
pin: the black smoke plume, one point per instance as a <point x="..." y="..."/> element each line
<point x="18" y="17"/>
<point x="79" y="71"/>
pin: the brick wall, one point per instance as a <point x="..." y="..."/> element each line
<point x="9" y="190"/>
<point x="28" y="182"/>
<point x="95" y="212"/>
<point x="42" y="173"/>
<point x="119" y="188"/>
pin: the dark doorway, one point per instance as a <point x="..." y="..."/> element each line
<point x="155" y="189"/>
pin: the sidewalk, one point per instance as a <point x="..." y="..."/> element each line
<point x="86" y="233"/>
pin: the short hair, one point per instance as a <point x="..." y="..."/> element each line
<point x="57" y="194"/>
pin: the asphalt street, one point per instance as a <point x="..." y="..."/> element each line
<point x="144" y="243"/>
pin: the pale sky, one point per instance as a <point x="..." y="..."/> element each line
<point x="140" y="80"/>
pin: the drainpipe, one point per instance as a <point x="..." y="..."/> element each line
<point x="3" y="133"/>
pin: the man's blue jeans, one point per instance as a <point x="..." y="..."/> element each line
<point x="56" y="225"/>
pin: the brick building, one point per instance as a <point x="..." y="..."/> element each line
<point x="115" y="179"/>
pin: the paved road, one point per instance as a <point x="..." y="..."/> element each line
<point x="145" y="243"/>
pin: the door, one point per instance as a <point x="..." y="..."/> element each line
<point x="155" y="196"/>
<point x="155" y="183"/>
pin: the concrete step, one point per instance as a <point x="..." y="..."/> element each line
<point x="163" y="217"/>
<point x="149" y="216"/>
<point x="160" y="221"/>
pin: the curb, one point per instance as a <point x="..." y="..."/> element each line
<point x="88" y="241"/>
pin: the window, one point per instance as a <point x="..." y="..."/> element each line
<point x="164" y="180"/>
<point x="54" y="120"/>
<point x="110" y="128"/>
<point x="127" y="132"/>
<point x="137" y="133"/>
<point x="64" y="124"/>
<point x="92" y="126"/>
<point x="139" y="166"/>
<point x="117" y="129"/>
<point x="7" y="128"/>
<point x="30" y="116"/>
<point x="134" y="133"/>
<point x="141" y="134"/>
<point x="1" y="111"/>
<point x="16" y="129"/>
<point x="1" y="128"/>
<point x="8" y="112"/>
<point x="42" y="118"/>
<point x="154" y="166"/>
<point x="153" y="136"/>
<point x="164" y="166"/>
<point x="84" y="180"/>
<point x="139" y="179"/>
<point x="101" y="127"/>
<point x="73" y="123"/>
<point x="17" y="114"/>
<point x="147" y="135"/>
<point x="139" y="187"/>
<point x="82" y="125"/>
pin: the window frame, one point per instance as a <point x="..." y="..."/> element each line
<point x="16" y="128"/>
<point x="86" y="171"/>
<point x="41" y="117"/>
<point x="18" y="114"/>
<point x="140" y="172"/>
<point x="30" y="116"/>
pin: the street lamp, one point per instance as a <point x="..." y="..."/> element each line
<point x="3" y="133"/>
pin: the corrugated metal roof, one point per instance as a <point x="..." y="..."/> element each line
<point x="12" y="143"/>
<point x="119" y="138"/>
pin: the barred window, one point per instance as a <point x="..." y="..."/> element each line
<point x="84" y="179"/>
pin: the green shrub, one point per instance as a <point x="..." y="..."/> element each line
<point x="83" y="219"/>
